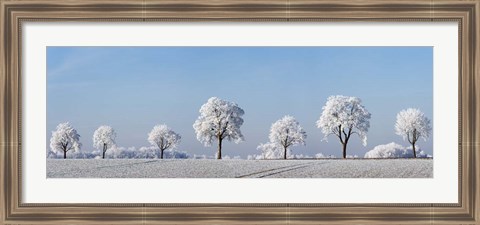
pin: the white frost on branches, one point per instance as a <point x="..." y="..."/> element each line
<point x="287" y="132"/>
<point x="344" y="116"/>
<point x="412" y="124"/>
<point x="284" y="133"/>
<point x="104" y="138"/>
<point x="218" y="120"/>
<point x="164" y="138"/>
<point x="64" y="139"/>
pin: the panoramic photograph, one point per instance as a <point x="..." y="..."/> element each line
<point x="239" y="112"/>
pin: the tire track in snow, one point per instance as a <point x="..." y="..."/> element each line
<point x="274" y="171"/>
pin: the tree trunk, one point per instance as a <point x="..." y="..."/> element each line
<point x="104" y="150"/>
<point x="414" y="151"/>
<point x="219" y="153"/>
<point x="284" y="152"/>
<point x="64" y="154"/>
<point x="344" y="150"/>
<point x="161" y="153"/>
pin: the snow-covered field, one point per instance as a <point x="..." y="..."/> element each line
<point x="210" y="168"/>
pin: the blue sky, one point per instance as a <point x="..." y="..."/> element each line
<point x="134" y="88"/>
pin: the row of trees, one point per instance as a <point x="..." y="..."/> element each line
<point x="343" y="116"/>
<point x="221" y="120"/>
<point x="65" y="138"/>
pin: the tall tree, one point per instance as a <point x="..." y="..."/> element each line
<point x="287" y="132"/>
<point x="411" y="125"/>
<point x="219" y="120"/>
<point x="344" y="116"/>
<point x="64" y="139"/>
<point x="164" y="138"/>
<point x="104" y="138"/>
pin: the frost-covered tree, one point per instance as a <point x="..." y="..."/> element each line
<point x="164" y="138"/>
<point x="64" y="139"/>
<point x="104" y="138"/>
<point x="287" y="132"/>
<point x="344" y="116"/>
<point x="412" y="124"/>
<point x="219" y="120"/>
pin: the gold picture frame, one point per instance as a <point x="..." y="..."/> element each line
<point x="14" y="13"/>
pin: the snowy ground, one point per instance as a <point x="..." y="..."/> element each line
<point x="209" y="168"/>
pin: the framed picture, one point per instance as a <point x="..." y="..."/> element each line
<point x="256" y="112"/>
